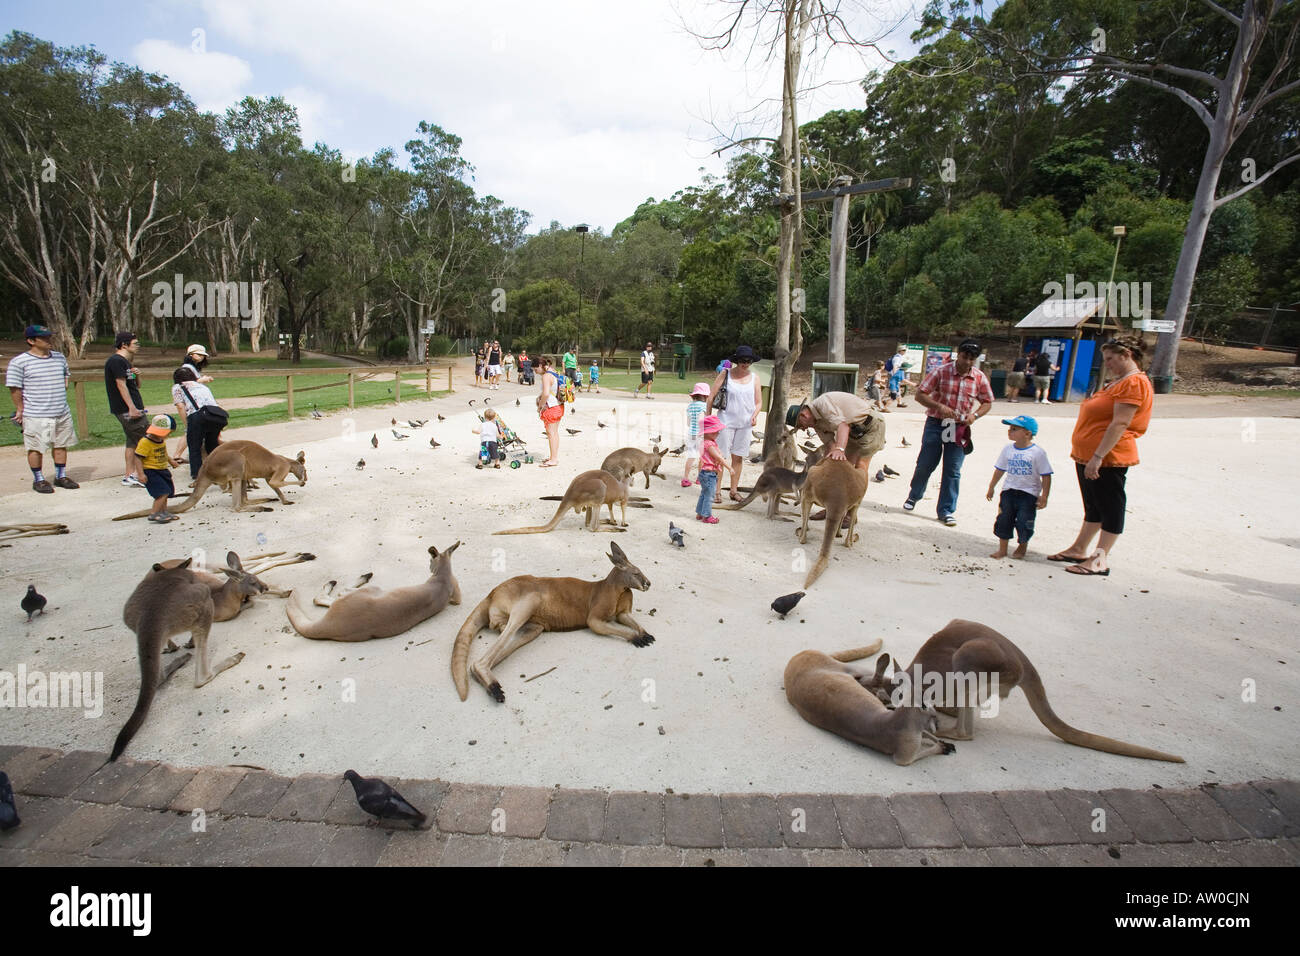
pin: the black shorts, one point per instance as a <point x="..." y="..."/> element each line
<point x="647" y="378"/>
<point x="133" y="428"/>
<point x="158" y="483"/>
<point x="1104" y="498"/>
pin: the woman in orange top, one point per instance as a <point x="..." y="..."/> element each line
<point x="1104" y="447"/>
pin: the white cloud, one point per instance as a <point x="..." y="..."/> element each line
<point x="213" y="80"/>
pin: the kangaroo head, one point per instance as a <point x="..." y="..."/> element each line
<point x="632" y="576"/>
<point x="249" y="584"/>
<point x="298" y="468"/>
<point x="656" y="456"/>
<point x="441" y="559"/>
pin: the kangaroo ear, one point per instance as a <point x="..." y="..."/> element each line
<point x="433" y="551"/>
<point x="616" y="554"/>
<point x="302" y="458"/>
<point x="881" y="666"/>
<point x="159" y="567"/>
<point x="232" y="559"/>
<point x="452" y="548"/>
<point x="186" y="563"/>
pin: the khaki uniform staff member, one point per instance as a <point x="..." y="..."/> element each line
<point x="847" y="425"/>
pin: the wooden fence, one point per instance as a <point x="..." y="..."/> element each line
<point x="376" y="372"/>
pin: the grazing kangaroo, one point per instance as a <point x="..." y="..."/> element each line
<point x="588" y="492"/>
<point x="830" y="695"/>
<point x="838" y="487"/>
<point x="523" y="607"/>
<point x="361" y="612"/>
<point x="168" y="601"/>
<point x="965" y="649"/>
<point x="231" y="465"/>
<point x="627" y="462"/>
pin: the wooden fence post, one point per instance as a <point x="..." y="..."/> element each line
<point x="352" y="382"/>
<point x="449" y="388"/>
<point x="397" y="385"/>
<point x="289" y="390"/>
<point x="79" y="394"/>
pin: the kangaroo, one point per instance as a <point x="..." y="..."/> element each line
<point x="587" y="492"/>
<point x="361" y="612"/>
<point x="776" y="480"/>
<point x="230" y="466"/>
<point x="964" y="649"/>
<point x="525" y="606"/>
<point x="168" y="601"/>
<point x="830" y="695"/>
<point x="838" y="487"/>
<point x="10" y="531"/>
<point x="627" y="462"/>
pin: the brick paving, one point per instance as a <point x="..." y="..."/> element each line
<point x="77" y="811"/>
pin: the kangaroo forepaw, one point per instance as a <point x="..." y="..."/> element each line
<point x="494" y="689"/>
<point x="189" y="645"/>
<point x="645" y="640"/>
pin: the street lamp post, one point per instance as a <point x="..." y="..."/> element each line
<point x="582" y="248"/>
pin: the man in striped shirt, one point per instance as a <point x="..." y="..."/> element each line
<point x="955" y="395"/>
<point x="38" y="383"/>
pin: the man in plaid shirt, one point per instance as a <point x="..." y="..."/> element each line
<point x="955" y="395"/>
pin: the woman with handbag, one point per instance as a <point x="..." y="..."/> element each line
<point x="549" y="407"/>
<point x="204" y="418"/>
<point x="736" y="396"/>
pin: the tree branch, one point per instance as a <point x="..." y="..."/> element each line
<point x="1197" y="106"/>
<point x="1230" y="17"/>
<point x="1224" y="200"/>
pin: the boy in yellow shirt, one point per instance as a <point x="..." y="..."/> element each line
<point x="152" y="452"/>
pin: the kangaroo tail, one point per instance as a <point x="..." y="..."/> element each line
<point x="551" y="498"/>
<point x="150" y="670"/>
<point x="858" y="653"/>
<point x="1032" y="685"/>
<point x="739" y="504"/>
<point x="833" y="519"/>
<point x="540" y="529"/>
<point x="477" y="620"/>
<point x="200" y="486"/>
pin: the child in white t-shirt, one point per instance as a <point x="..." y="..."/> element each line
<point x="695" y="411"/>
<point x="1029" y="479"/>
<point x="489" y="437"/>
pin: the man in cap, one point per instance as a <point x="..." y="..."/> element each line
<point x="122" y="381"/>
<point x="955" y="395"/>
<point x="38" y="383"/>
<point x="849" y="428"/>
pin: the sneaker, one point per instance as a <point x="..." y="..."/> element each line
<point x="43" y="486"/>
<point x="685" y="483"/>
<point x="131" y="481"/>
<point x="949" y="520"/>
<point x="65" y="482"/>
<point x="711" y="519"/>
<point x="909" y="505"/>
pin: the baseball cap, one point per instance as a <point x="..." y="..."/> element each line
<point x="123" y="338"/>
<point x="36" y="332"/>
<point x="710" y="424"/>
<point x="701" y="388"/>
<point x="197" y="350"/>
<point x="161" y="426"/>
<point x="792" y="414"/>
<point x="1023" y="421"/>
<point x="970" y="345"/>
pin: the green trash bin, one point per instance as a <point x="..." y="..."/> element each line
<point x="1162" y="384"/>
<point x="998" y="379"/>
<point x="682" y="357"/>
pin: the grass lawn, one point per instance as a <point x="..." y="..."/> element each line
<point x="326" y="392"/>
<point x="665" y="383"/>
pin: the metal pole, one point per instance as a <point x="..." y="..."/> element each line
<point x="839" y="245"/>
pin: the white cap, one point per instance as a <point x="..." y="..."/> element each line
<point x="197" y="350"/>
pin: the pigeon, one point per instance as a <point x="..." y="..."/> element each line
<point x="361" y="463"/>
<point x="785" y="604"/>
<point x="906" y="443"/>
<point x="880" y="476"/>
<point x="756" y="460"/>
<point x="381" y="801"/>
<point x="758" y="436"/>
<point x="314" y="412"/>
<point x="889" y="472"/>
<point x="398" y="435"/>
<point x="675" y="535"/>
<point x="374" y="441"/>
<point x="416" y="424"/>
<point x="574" y="431"/>
<point x="678" y="450"/>
<point x="32" y="603"/>
<point x="516" y="402"/>
<point x="433" y="443"/>
<point x="394" y="421"/>
<point x="441" y="418"/>
<point x="8" y="812"/>
<point x="600" y="424"/>
<point x="656" y="440"/>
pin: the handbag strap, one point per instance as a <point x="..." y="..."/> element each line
<point x="189" y="396"/>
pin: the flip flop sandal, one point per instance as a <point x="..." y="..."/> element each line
<point x="1087" y="572"/>
<point x="1065" y="558"/>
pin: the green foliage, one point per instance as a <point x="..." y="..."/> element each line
<point x="395" y="347"/>
<point x="1221" y="293"/>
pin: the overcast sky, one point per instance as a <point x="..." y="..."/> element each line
<point x="574" y="110"/>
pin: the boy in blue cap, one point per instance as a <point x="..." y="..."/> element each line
<point x="1029" y="480"/>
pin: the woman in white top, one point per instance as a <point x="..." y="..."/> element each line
<point x="190" y="397"/>
<point x="744" y="396"/>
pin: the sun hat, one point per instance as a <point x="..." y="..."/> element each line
<point x="792" y="414"/>
<point x="1023" y="421"/>
<point x="710" y="424"/>
<point x="743" y="353"/>
<point x="197" y="350"/>
<point x="701" y="388"/>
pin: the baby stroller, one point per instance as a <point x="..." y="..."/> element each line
<point x="526" y="372"/>
<point x="510" y="443"/>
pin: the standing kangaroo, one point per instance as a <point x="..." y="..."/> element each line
<point x="362" y="612"/>
<point x="838" y="487"/>
<point x="168" y="601"/>
<point x="525" y="606"/>
<point x="230" y="466"/>
<point x="833" y="696"/>
<point x="965" y="649"/>
<point x="588" y="492"/>
<point x="627" y="462"/>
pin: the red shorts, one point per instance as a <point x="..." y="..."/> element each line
<point x="553" y="414"/>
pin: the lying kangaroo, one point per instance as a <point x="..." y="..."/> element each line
<point x="168" y="601"/>
<point x="588" y="492"/>
<point x="360" y="613"/>
<point x="964" y="649"/>
<point x="234" y="463"/>
<point x="627" y="462"/>
<point x="830" y="695"/>
<point x="838" y="487"/>
<point x="523" y="607"/>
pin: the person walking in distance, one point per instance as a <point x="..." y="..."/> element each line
<point x="955" y="396"/>
<point x="647" y="371"/>
<point x="1043" y="372"/>
<point x="122" y="382"/>
<point x="38" y="384"/>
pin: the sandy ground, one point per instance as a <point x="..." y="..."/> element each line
<point x="1202" y="603"/>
